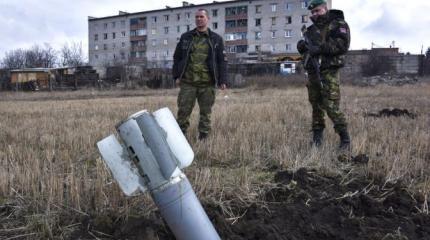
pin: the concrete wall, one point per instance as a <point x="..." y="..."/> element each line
<point x="362" y="63"/>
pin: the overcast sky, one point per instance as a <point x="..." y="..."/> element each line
<point x="29" y="22"/>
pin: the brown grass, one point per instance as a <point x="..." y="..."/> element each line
<point x="49" y="163"/>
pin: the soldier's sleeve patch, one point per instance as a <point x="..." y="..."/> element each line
<point x="343" y="30"/>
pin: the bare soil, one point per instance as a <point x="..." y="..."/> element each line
<point x="303" y="205"/>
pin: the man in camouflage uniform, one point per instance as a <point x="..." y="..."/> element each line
<point x="327" y="41"/>
<point x="199" y="65"/>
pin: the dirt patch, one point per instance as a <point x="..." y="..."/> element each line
<point x="303" y="205"/>
<point x="392" y="113"/>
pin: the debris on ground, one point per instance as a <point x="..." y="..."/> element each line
<point x="395" y="112"/>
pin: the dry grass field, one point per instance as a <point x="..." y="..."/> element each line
<point x="50" y="167"/>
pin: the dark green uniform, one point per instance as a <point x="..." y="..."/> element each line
<point x="197" y="83"/>
<point x="331" y="38"/>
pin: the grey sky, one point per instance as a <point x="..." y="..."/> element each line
<point x="29" y="22"/>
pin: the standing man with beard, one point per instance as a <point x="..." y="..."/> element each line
<point x="327" y="41"/>
<point x="199" y="65"/>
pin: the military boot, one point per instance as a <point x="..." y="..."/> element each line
<point x="345" y="141"/>
<point x="318" y="137"/>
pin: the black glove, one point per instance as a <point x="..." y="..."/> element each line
<point x="301" y="46"/>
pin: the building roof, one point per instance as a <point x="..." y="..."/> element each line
<point x="125" y="14"/>
<point x="32" y="70"/>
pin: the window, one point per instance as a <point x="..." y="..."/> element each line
<point x="215" y="13"/>
<point x="304" y="4"/>
<point x="134" y="21"/>
<point x="188" y="15"/>
<point x="273" y="21"/>
<point x="154" y="42"/>
<point x="96" y="56"/>
<point x="272" y="48"/>
<point x="178" y="29"/>
<point x="113" y="45"/>
<point x="273" y="34"/>
<point x="122" y="55"/>
<point x="288" y="33"/>
<point x="274" y="6"/>
<point x="304" y="18"/>
<point x="257" y="35"/>
<point x="188" y="27"/>
<point x="122" y="23"/>
<point x="178" y="16"/>
<point x="230" y="24"/>
<point x="242" y="22"/>
<point x="258" y="9"/>
<point x="96" y="47"/>
<point x="123" y="44"/>
<point x="241" y="48"/>
<point x="231" y="11"/>
<point x="153" y="31"/>
<point x="257" y="48"/>
<point x="288" y="6"/>
<point x="166" y="18"/>
<point x="123" y="33"/>
<point x="132" y="33"/>
<point x="113" y="35"/>
<point x="141" y="32"/>
<point x="288" y="20"/>
<point x="166" y="30"/>
<point x="165" y="42"/>
<point x="105" y="36"/>
<point x="235" y="36"/>
<point x="113" y="24"/>
<point x="288" y="47"/>
<point x="105" y="25"/>
<point x="105" y="46"/>
<point x="215" y="25"/>
<point x="258" y="22"/>
<point x="166" y="53"/>
<point x="96" y="37"/>
<point x="154" y="19"/>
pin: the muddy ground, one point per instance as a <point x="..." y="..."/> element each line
<point x="303" y="205"/>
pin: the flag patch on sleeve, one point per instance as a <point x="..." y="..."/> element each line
<point x="343" y="30"/>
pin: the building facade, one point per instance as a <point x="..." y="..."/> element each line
<point x="252" y="29"/>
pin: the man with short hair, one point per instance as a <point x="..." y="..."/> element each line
<point x="199" y="65"/>
<point x="327" y="41"/>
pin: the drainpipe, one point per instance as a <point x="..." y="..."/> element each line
<point x="153" y="152"/>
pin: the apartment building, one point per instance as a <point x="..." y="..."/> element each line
<point x="252" y="30"/>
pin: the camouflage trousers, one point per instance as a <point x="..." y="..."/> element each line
<point x="326" y="97"/>
<point x="187" y="97"/>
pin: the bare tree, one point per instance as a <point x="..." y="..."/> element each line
<point x="14" y="59"/>
<point x="72" y="56"/>
<point x="38" y="56"/>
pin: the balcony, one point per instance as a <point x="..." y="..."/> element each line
<point x="138" y="26"/>
<point x="236" y="42"/>
<point x="137" y="59"/>
<point x="236" y="29"/>
<point x="137" y="38"/>
<point x="237" y="16"/>
<point x="138" y="48"/>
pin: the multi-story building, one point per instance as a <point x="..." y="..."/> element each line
<point x="252" y="30"/>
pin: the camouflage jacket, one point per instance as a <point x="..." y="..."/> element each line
<point x="216" y="61"/>
<point x="334" y="39"/>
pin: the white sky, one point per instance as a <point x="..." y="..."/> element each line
<point x="29" y="22"/>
